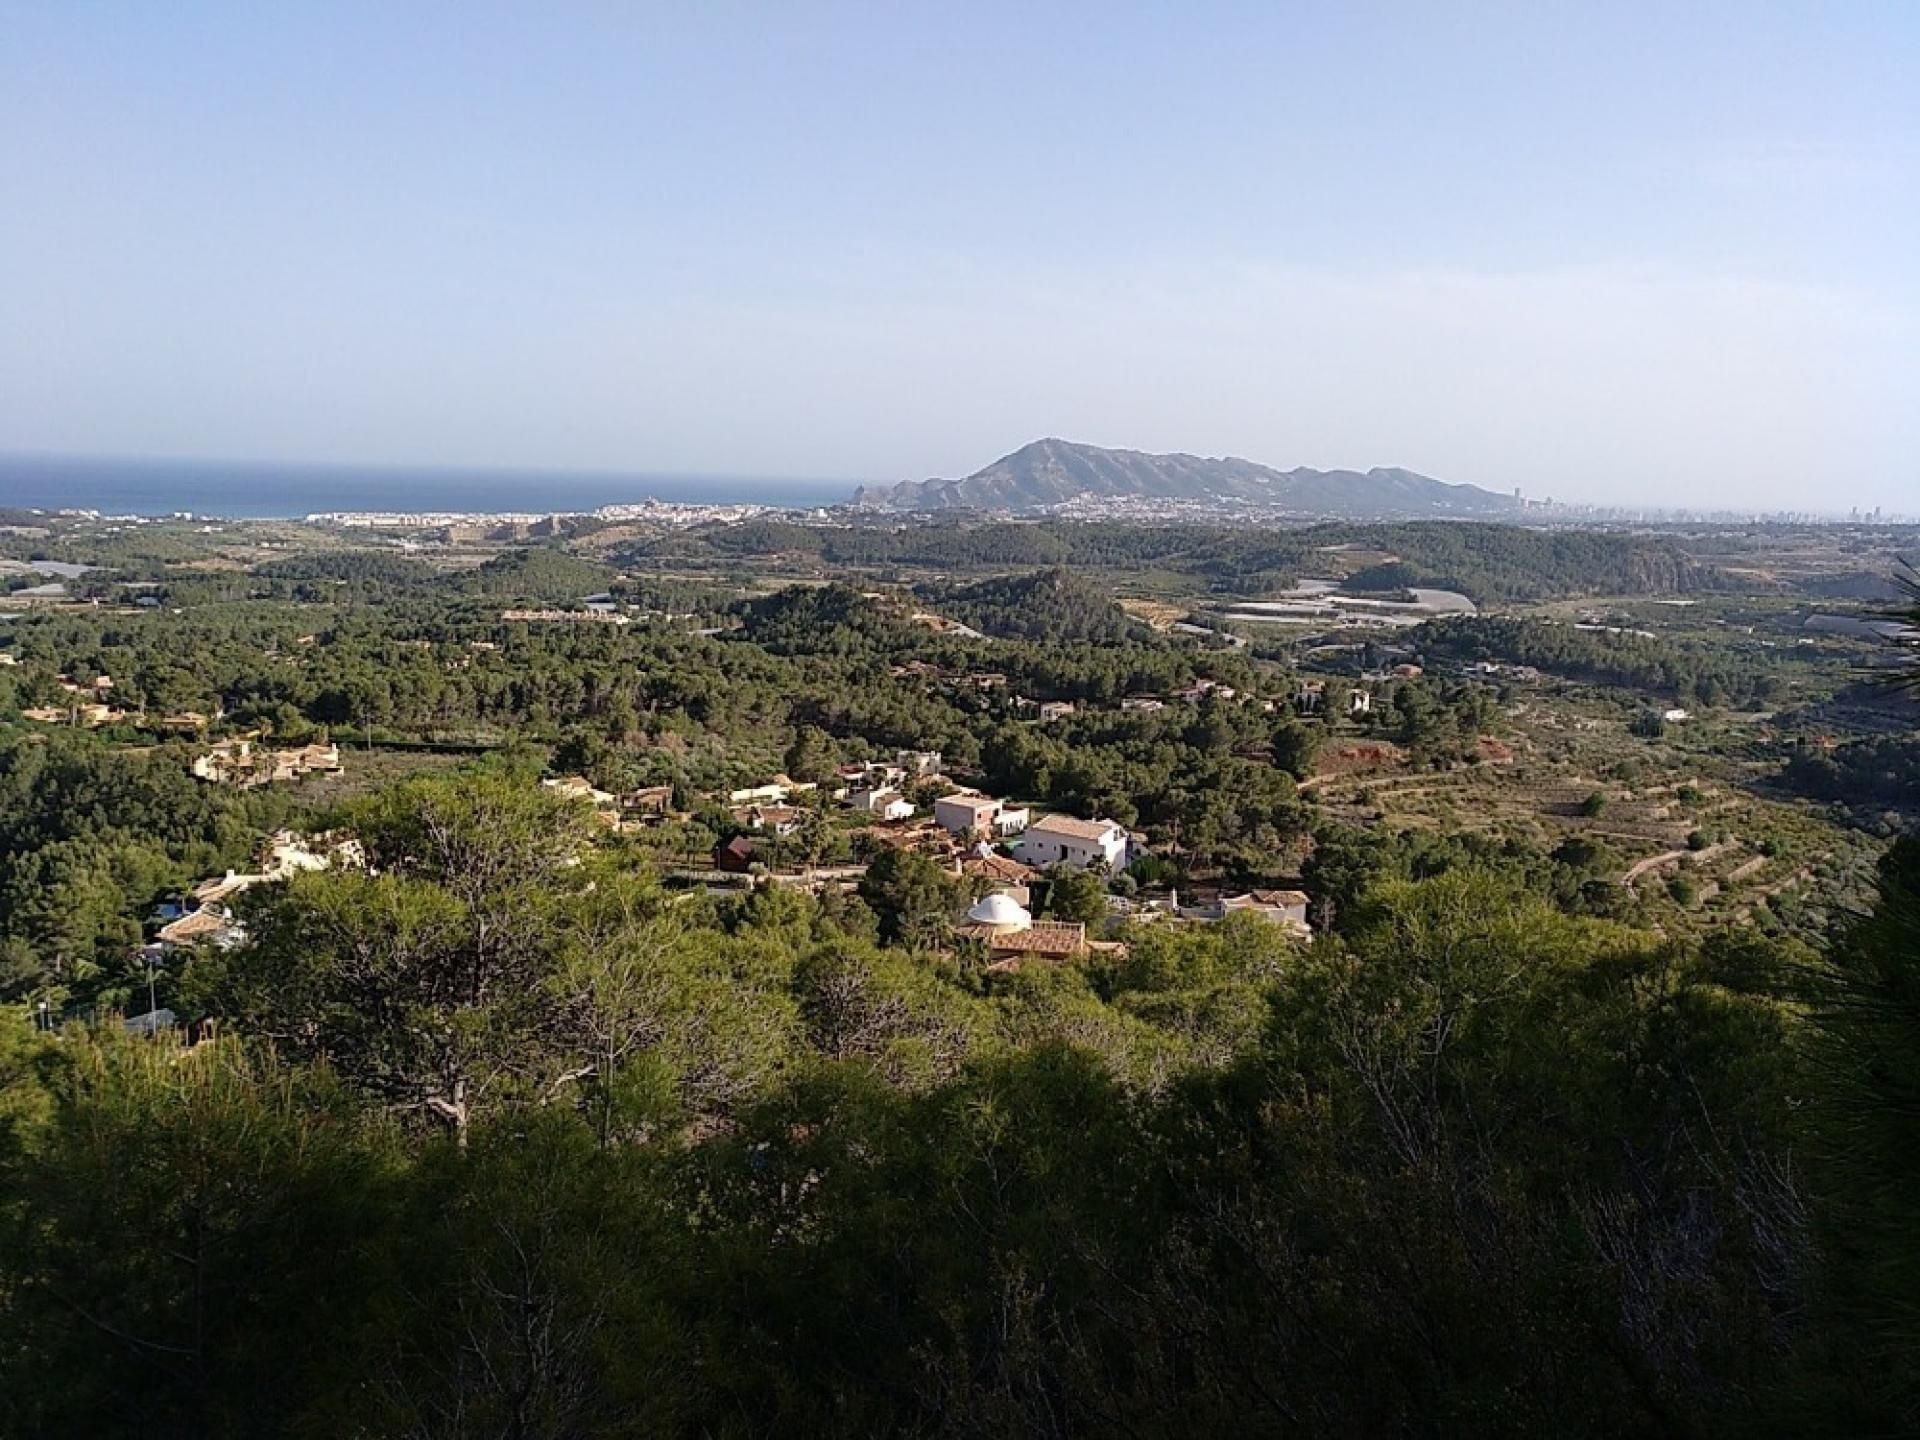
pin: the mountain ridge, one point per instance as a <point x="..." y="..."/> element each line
<point x="1052" y="472"/>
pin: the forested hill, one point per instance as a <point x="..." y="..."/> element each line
<point x="1051" y="472"/>
<point x="1050" y="605"/>
<point x="1688" y="672"/>
<point x="1486" y="561"/>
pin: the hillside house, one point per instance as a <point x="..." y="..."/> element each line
<point x="771" y="792"/>
<point x="1055" y="710"/>
<point x="285" y="854"/>
<point x="883" y="803"/>
<point x="1065" y="840"/>
<point x="220" y="889"/>
<point x="561" y="617"/>
<point x="776" y="820"/>
<point x="1011" y="820"/>
<point x="1284" y="908"/>
<point x="1279" y="907"/>
<point x="239" y="763"/>
<point x="578" y="787"/>
<point x="653" y="801"/>
<point x="288" y="853"/>
<point x="1012" y="936"/>
<point x="209" y="925"/>
<point x="1200" y="689"/>
<point x="871" y="775"/>
<point x="966" y="813"/>
<point x="735" y="856"/>
<point x="998" y="872"/>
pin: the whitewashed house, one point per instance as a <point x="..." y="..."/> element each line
<point x="1064" y="840"/>
<point x="882" y="804"/>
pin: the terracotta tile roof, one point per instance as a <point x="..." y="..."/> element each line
<point x="1047" y="937"/>
<point x="220" y="887"/>
<point x="198" y="925"/>
<point x="998" y="867"/>
<point x="1078" y="829"/>
<point x="1054" y="938"/>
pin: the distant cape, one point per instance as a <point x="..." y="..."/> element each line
<point x="1052" y="472"/>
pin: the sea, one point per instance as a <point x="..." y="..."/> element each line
<point x="249" y="490"/>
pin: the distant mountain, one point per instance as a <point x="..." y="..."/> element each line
<point x="1050" y="473"/>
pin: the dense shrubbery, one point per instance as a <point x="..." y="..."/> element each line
<point x="90" y="839"/>
<point x="504" y="1137"/>
<point x="1047" y="606"/>
<point x="539" y="1150"/>
<point x="1604" y="657"/>
<point x="540" y="573"/>
<point x="1488" y="562"/>
<point x="1882" y="770"/>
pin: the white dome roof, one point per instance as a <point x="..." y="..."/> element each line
<point x="999" y="908"/>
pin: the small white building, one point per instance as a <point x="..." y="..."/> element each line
<point x="578" y="787"/>
<point x="1284" y="908"/>
<point x="967" y="813"/>
<point x="771" y="793"/>
<point x="873" y="775"/>
<point x="777" y="820"/>
<point x="1064" y="840"/>
<point x="882" y="804"/>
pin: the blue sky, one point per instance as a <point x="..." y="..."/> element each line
<point x="1612" y="252"/>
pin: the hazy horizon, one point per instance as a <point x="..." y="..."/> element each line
<point x="482" y="487"/>
<point x="1630" y="257"/>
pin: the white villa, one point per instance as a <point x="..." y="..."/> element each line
<point x="883" y="804"/>
<point x="1285" y="908"/>
<point x="1063" y="840"/>
<point x="775" y="791"/>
